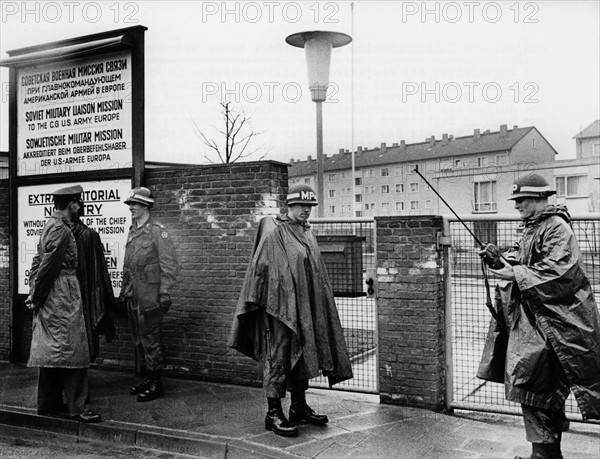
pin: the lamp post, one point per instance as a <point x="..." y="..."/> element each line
<point x="317" y="46"/>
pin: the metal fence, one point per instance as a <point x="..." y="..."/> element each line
<point x="348" y="249"/>
<point x="469" y="317"/>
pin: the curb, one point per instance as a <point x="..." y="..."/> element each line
<point x="168" y="440"/>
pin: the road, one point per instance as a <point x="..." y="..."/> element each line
<point x="17" y="442"/>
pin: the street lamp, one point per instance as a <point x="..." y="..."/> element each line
<point x="317" y="46"/>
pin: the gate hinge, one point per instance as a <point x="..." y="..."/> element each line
<point x="443" y="241"/>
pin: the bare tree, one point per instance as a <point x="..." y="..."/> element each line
<point x="234" y="140"/>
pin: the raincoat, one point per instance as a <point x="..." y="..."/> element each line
<point x="59" y="339"/>
<point x="286" y="277"/>
<point x="552" y="322"/>
<point x="96" y="289"/>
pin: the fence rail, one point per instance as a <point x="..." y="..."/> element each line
<point x="469" y="317"/>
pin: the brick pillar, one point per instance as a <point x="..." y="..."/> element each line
<point x="411" y="299"/>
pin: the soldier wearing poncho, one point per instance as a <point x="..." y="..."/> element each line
<point x="551" y="321"/>
<point x="286" y="316"/>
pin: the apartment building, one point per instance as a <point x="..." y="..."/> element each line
<point x="474" y="173"/>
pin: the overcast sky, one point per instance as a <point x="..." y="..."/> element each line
<point x="414" y="69"/>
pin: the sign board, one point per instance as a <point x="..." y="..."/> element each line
<point x="75" y="115"/>
<point x="104" y="211"/>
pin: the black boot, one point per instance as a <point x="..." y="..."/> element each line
<point x="300" y="412"/>
<point x="154" y="388"/>
<point x="139" y="388"/>
<point x="276" y="421"/>
<point x="546" y="451"/>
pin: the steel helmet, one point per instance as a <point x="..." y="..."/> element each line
<point x="141" y="195"/>
<point x="531" y="186"/>
<point x="301" y="193"/>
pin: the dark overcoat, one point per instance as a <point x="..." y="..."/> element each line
<point x="96" y="289"/>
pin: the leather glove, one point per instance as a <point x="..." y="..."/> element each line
<point x="164" y="301"/>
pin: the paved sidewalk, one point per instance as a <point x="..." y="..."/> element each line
<point x="226" y="421"/>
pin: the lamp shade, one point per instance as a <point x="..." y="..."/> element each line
<point x="317" y="46"/>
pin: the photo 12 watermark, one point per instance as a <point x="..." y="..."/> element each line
<point x="470" y="12"/>
<point x="453" y="92"/>
<point x="253" y="92"/>
<point x="71" y="12"/>
<point x="270" y="12"/>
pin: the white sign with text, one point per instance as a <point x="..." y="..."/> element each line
<point x="104" y="211"/>
<point x="75" y="115"/>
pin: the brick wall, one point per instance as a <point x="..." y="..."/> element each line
<point x="212" y="213"/>
<point x="411" y="312"/>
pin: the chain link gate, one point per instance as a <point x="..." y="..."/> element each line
<point x="348" y="250"/>
<point x="469" y="317"/>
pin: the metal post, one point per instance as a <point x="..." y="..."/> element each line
<point x="320" y="162"/>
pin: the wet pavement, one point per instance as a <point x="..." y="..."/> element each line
<point x="217" y="420"/>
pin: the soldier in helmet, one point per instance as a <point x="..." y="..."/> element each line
<point x="551" y="318"/>
<point x="286" y="317"/>
<point x="149" y="272"/>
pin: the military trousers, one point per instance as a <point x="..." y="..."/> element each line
<point x="62" y="385"/>
<point x="147" y="334"/>
<point x="544" y="426"/>
<point x="278" y="376"/>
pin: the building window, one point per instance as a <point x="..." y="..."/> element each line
<point x="534" y="143"/>
<point x="428" y="204"/>
<point x="307" y="180"/>
<point x="414" y="205"/>
<point x="482" y="161"/>
<point x="571" y="186"/>
<point x="358" y="198"/>
<point x="484" y="196"/>
<point x="332" y="210"/>
<point x="385" y="206"/>
<point x="596" y="149"/>
<point x="368" y="173"/>
<point x="501" y="160"/>
<point x="398" y="170"/>
<point x="358" y="181"/>
<point x="414" y="187"/>
<point x="332" y="193"/>
<point x="385" y="172"/>
<point x="399" y="187"/>
<point x="332" y="177"/>
<point x="411" y="168"/>
<point x="400" y="205"/>
<point x="385" y="189"/>
<point x="359" y="213"/>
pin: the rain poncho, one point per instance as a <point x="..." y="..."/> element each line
<point x="287" y="278"/>
<point x="59" y="339"/>
<point x="552" y="321"/>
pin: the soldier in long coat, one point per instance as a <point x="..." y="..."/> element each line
<point x="59" y="340"/>
<point x="551" y="320"/>
<point x="286" y="316"/>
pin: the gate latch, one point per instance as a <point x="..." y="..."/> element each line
<point x="443" y="241"/>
